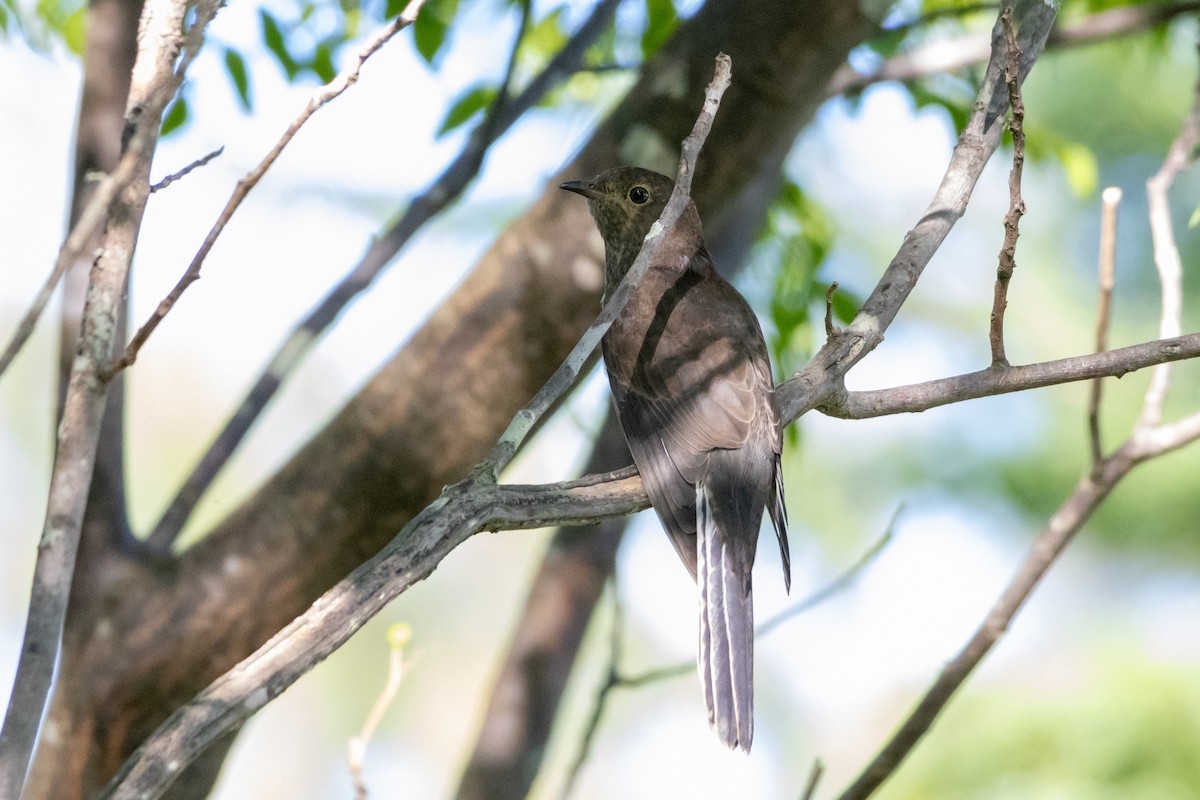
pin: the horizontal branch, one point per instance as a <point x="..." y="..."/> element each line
<point x="954" y="54"/>
<point x="1003" y="380"/>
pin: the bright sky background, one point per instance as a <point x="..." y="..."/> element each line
<point x="830" y="682"/>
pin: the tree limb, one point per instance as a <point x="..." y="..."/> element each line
<point x="954" y="54"/>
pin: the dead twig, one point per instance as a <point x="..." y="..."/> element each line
<point x="1016" y="205"/>
<point x="174" y="176"/>
<point x="1109" y="200"/>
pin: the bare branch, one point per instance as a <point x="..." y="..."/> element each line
<point x="440" y="194"/>
<point x="1109" y="200"/>
<point x="174" y="176"/>
<point x="322" y="96"/>
<point x="1016" y="206"/>
<point x="1166" y="255"/>
<point x="155" y="79"/>
<point x="955" y="54"/>
<point x="398" y="637"/>
<point x="814" y="778"/>
<point x="1004" y="380"/>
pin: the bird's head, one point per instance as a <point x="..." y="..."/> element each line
<point x="625" y="202"/>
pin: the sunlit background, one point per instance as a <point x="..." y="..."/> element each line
<point x="1094" y="693"/>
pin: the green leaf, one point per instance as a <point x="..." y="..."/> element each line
<point x="275" y="42"/>
<point x="322" y="63"/>
<point x="74" y="30"/>
<point x="545" y="37"/>
<point x="660" y="23"/>
<point x="1079" y="162"/>
<point x="235" y="65"/>
<point x="393" y="9"/>
<point x="1194" y="220"/>
<point x="176" y="116"/>
<point x="470" y="103"/>
<point x="429" y="29"/>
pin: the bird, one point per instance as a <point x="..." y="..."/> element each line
<point x="690" y="377"/>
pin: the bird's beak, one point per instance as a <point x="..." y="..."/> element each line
<point x="579" y="187"/>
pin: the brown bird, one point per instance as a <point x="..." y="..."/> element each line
<point x="691" y="379"/>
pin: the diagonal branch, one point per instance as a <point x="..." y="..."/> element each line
<point x="440" y="194"/>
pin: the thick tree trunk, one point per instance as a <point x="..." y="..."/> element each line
<point x="152" y="636"/>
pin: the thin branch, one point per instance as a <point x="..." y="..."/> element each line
<point x="1181" y="154"/>
<point x="174" y="176"/>
<point x="155" y="79"/>
<point x="814" y="778"/>
<point x="1004" y="380"/>
<point x="398" y="636"/>
<point x="829" y="329"/>
<point x="1016" y="206"/>
<point x="954" y="54"/>
<point x="90" y="219"/>
<point x="440" y="194"/>
<point x="1109" y="200"/>
<point x="343" y="81"/>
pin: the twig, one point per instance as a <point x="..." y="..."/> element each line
<point x="1016" y="206"/>
<point x="155" y="79"/>
<point x="440" y="194"/>
<point x="814" y="777"/>
<point x="200" y="162"/>
<point x="461" y="510"/>
<point x="829" y="329"/>
<point x="398" y="636"/>
<point x="325" y="94"/>
<point x="990" y="382"/>
<point x="1109" y="200"/>
<point x="1181" y="154"/>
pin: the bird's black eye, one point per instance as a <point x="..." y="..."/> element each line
<point x="639" y="195"/>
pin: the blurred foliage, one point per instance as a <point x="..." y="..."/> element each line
<point x="1119" y="729"/>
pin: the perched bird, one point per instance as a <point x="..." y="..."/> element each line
<point x="690" y="375"/>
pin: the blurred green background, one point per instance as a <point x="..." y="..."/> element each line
<point x="1094" y="694"/>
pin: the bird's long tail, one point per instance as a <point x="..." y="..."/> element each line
<point x="726" y="656"/>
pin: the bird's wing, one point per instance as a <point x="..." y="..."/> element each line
<point x="684" y="392"/>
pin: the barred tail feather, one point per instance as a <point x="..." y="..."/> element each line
<point x="726" y="648"/>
